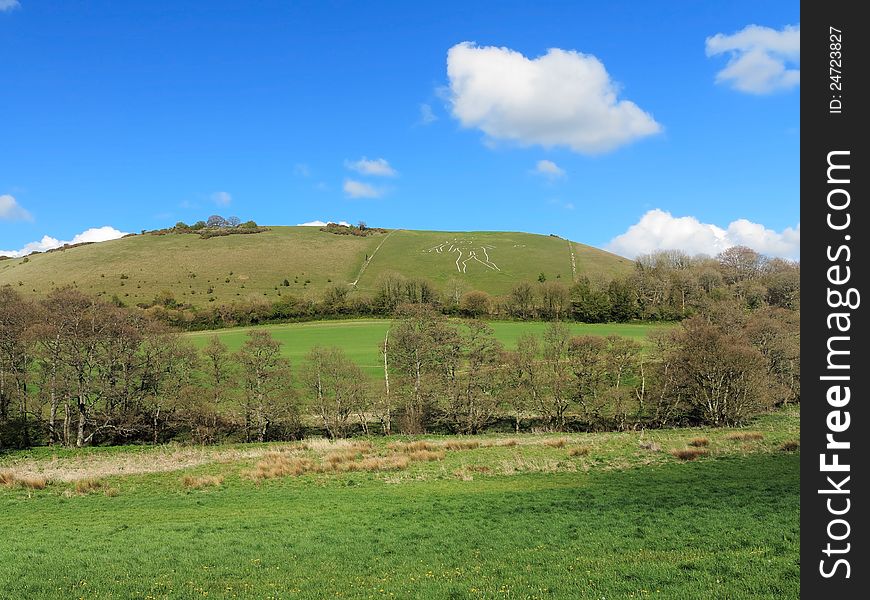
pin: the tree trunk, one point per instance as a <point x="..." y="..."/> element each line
<point x="80" y="434"/>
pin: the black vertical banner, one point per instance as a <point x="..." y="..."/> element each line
<point x="835" y="368"/>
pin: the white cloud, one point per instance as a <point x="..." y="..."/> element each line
<point x="548" y="169"/>
<point x="9" y="5"/>
<point x="659" y="230"/>
<point x="563" y="98"/>
<point x="378" y="167"/>
<point x="358" y="189"/>
<point x="10" y="210"/>
<point x="222" y="198"/>
<point x="761" y="60"/>
<point x="322" y="223"/>
<point x="427" y="116"/>
<point x="95" y="234"/>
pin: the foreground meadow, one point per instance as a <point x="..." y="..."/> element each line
<point x="682" y="513"/>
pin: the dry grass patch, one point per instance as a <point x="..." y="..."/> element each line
<point x="790" y="446"/>
<point x="203" y="481"/>
<point x="557" y="443"/>
<point x="579" y="451"/>
<point x="650" y="446"/>
<point x="412" y="446"/>
<point x="689" y="453"/>
<point x="699" y="442"/>
<point x="427" y="455"/>
<point x="461" y="445"/>
<point x="342" y="456"/>
<point x="7" y="478"/>
<point x="31" y="482"/>
<point x="277" y="465"/>
<point x="88" y="486"/>
<point x="745" y="436"/>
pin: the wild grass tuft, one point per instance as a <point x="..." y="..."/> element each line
<point x="689" y="453"/>
<point x="557" y="443"/>
<point x="699" y="442"/>
<point x="201" y="481"/>
<point x="790" y="446"/>
<point x="579" y="451"/>
<point x="745" y="436"/>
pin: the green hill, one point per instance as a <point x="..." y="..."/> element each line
<point x="221" y="269"/>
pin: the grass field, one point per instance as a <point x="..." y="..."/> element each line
<point x="485" y="260"/>
<point x="531" y="520"/>
<point x="360" y="338"/>
<point x="223" y="269"/>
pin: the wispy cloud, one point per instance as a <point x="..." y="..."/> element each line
<point x="377" y="167"/>
<point x="549" y="170"/>
<point x="96" y="234"/>
<point x="427" y="115"/>
<point x="222" y="198"/>
<point x="761" y="60"/>
<point x="10" y="210"/>
<point x="359" y="189"/>
<point x="7" y="5"/>
<point x="301" y="170"/>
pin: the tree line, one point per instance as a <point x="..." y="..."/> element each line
<point x="76" y="371"/>
<point x="664" y="286"/>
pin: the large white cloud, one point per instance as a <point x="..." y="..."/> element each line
<point x="659" y="230"/>
<point x="761" y="60"/>
<point x="563" y="98"/>
<point x="95" y="234"/>
<point x="9" y="5"/>
<point x="10" y="210"/>
<point x="378" y="167"/>
<point x="359" y="189"/>
<point x="322" y="223"/>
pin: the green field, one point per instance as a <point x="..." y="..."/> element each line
<point x="521" y="521"/>
<point x="237" y="267"/>
<point x="361" y="338"/>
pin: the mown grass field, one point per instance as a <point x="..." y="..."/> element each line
<point x="361" y="338"/>
<point x="237" y="267"/>
<point x="583" y="516"/>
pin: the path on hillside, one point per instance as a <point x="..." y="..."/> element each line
<point x="362" y="269"/>
<point x="573" y="262"/>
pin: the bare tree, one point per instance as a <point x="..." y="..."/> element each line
<point x="265" y="373"/>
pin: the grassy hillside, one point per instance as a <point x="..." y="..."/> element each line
<point x="223" y="269"/>
<point x="361" y="338"/>
<point x="579" y="516"/>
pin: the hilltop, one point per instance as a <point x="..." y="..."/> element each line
<point x="303" y="261"/>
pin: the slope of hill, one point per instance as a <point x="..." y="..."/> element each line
<point x="221" y="269"/>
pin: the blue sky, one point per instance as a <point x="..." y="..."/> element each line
<point x="134" y="115"/>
